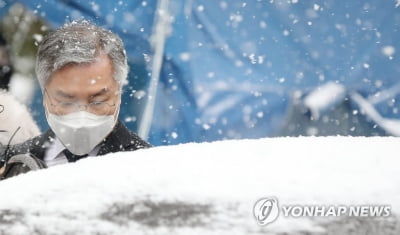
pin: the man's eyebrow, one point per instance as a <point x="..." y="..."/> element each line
<point x="64" y="95"/>
<point x="101" y="92"/>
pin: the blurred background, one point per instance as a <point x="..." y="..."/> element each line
<point x="213" y="70"/>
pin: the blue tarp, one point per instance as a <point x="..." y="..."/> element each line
<point x="232" y="68"/>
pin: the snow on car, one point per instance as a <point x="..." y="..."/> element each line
<point x="211" y="188"/>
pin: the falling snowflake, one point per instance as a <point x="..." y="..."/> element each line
<point x="388" y="50"/>
<point x="174" y="135"/>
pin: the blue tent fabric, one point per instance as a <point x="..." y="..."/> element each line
<point x="232" y="68"/>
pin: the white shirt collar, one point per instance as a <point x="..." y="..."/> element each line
<point x="54" y="150"/>
<point x="54" y="154"/>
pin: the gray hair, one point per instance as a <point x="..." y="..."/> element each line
<point x="77" y="43"/>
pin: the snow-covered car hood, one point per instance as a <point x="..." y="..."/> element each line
<point x="209" y="188"/>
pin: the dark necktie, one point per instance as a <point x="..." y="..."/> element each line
<point x="72" y="157"/>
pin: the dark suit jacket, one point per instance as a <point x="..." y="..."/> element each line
<point x="120" y="139"/>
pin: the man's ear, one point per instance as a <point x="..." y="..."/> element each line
<point x="44" y="98"/>
<point x="44" y="104"/>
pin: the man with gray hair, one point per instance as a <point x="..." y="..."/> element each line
<point x="81" y="69"/>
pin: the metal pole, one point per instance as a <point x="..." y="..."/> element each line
<point x="158" y="38"/>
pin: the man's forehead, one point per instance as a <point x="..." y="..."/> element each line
<point x="92" y="76"/>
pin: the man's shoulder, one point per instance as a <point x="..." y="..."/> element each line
<point x="132" y="139"/>
<point x="137" y="141"/>
<point x="122" y="139"/>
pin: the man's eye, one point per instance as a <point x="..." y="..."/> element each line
<point x="67" y="104"/>
<point x="96" y="103"/>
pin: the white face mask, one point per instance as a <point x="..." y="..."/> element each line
<point x="81" y="131"/>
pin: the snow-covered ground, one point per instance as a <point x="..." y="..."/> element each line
<point x="209" y="188"/>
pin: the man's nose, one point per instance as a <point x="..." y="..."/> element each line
<point x="81" y="107"/>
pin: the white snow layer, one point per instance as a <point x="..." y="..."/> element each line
<point x="208" y="188"/>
